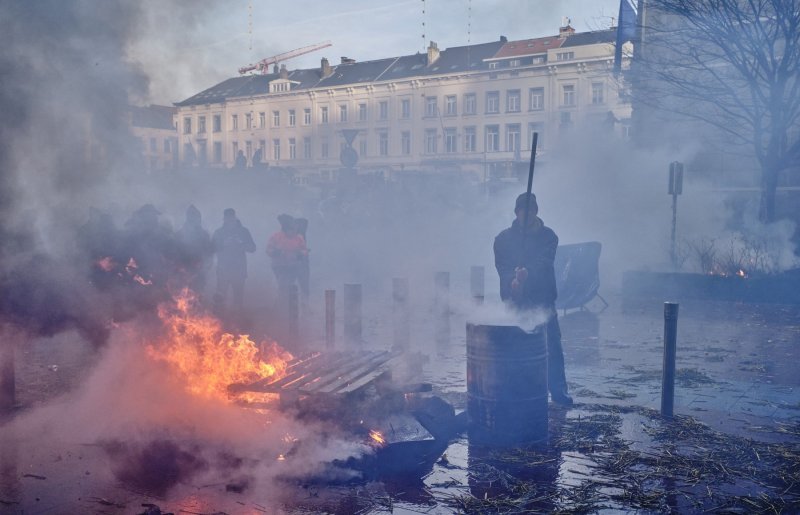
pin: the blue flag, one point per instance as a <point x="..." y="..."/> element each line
<point x="626" y="29"/>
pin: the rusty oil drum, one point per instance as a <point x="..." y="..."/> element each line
<point x="506" y="384"/>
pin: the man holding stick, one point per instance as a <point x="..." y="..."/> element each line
<point x="524" y="256"/>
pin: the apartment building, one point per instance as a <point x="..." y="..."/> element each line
<point x="154" y="127"/>
<point x="471" y="108"/>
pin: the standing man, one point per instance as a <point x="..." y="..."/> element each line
<point x="231" y="241"/>
<point x="524" y="258"/>
<point x="287" y="250"/>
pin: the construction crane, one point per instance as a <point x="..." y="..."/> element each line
<point x="263" y="65"/>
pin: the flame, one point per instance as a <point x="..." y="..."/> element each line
<point x="208" y="359"/>
<point x="377" y="437"/>
<point x="741" y="273"/>
<point x="105" y="264"/>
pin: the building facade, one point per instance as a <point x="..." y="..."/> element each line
<point x="154" y="127"/>
<point x="472" y="109"/>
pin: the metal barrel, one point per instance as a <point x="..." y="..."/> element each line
<point x="506" y="384"/>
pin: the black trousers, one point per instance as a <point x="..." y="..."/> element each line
<point x="556" y="377"/>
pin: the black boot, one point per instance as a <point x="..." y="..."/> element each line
<point x="556" y="377"/>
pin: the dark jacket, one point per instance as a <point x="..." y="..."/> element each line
<point x="231" y="241"/>
<point x="534" y="249"/>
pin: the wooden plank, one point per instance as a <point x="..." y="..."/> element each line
<point x="363" y="381"/>
<point x="366" y="369"/>
<point x="366" y="362"/>
<point x="320" y="365"/>
<point x="299" y="370"/>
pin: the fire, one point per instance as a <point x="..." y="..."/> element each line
<point x="377" y="437"/>
<point x="207" y="358"/>
<point x="741" y="273"/>
<point x="106" y="264"/>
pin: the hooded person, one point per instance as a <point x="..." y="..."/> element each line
<point x="195" y="250"/>
<point x="524" y="257"/>
<point x="231" y="242"/>
<point x="287" y="251"/>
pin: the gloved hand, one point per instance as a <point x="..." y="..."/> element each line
<point x="520" y="277"/>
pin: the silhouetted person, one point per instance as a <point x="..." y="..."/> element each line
<point x="241" y="161"/>
<point x="98" y="242"/>
<point x="195" y="250"/>
<point x="524" y="257"/>
<point x="148" y="247"/>
<point x="304" y="275"/>
<point x="257" y="157"/>
<point x="231" y="242"/>
<point x="287" y="250"/>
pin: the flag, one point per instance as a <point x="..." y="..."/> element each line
<point x="626" y="29"/>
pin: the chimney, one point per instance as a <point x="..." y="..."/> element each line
<point x="503" y="39"/>
<point x="284" y="72"/>
<point x="433" y="53"/>
<point x="347" y="60"/>
<point x="325" y="67"/>
<point x="566" y="29"/>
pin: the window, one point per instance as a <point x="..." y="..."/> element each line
<point x="248" y="120"/>
<point x="306" y="148"/>
<point x="262" y="120"/>
<point x="450" y="106"/>
<point x="292" y="118"/>
<point x="187" y="125"/>
<point x="405" y="143"/>
<point x="324" y="148"/>
<point x="362" y="146"/>
<point x="514" y="63"/>
<point x="492" y="138"/>
<point x="234" y="122"/>
<point x="292" y="148"/>
<point x="201" y="125"/>
<point x="362" y="112"/>
<point x="248" y="149"/>
<point x="450" y="140"/>
<point x="493" y="65"/>
<point x="276" y="118"/>
<point x="598" y="93"/>
<point x="383" y="110"/>
<point x="565" y="56"/>
<point x="535" y="127"/>
<point x="512" y="101"/>
<point x="153" y="145"/>
<point x="492" y="102"/>
<point x="306" y="116"/>
<point x="431" y="106"/>
<point x="469" y="139"/>
<point x="405" y="108"/>
<point x="512" y="137"/>
<point x="262" y="146"/>
<point x="167" y="148"/>
<point x="343" y="113"/>
<point x="217" y="152"/>
<point x="566" y="120"/>
<point x="217" y="123"/>
<point x="383" y="143"/>
<point x="323" y="115"/>
<point x="430" y="141"/>
<point x="235" y="148"/>
<point x="202" y="152"/>
<point x="470" y="103"/>
<point x="568" y="97"/>
<point x="276" y="149"/>
<point x="536" y="99"/>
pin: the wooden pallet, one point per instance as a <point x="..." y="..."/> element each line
<point x="333" y="373"/>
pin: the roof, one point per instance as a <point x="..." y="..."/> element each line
<point x="460" y="59"/>
<point x="152" y="117"/>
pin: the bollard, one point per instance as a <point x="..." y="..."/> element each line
<point x="442" y="306"/>
<point x="352" y="314"/>
<point x="293" y="309"/>
<point x="401" y="315"/>
<point x="670" y="347"/>
<point x="7" y="376"/>
<point x="330" y="319"/>
<point x="476" y="284"/>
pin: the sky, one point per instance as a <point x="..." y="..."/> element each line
<point x="187" y="46"/>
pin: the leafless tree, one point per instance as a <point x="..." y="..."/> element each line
<point x="733" y="64"/>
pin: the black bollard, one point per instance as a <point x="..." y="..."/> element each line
<point x="442" y="306"/>
<point x="476" y="284"/>
<point x="330" y="319"/>
<point x="401" y="316"/>
<point x="670" y="347"/>
<point x="352" y="314"/>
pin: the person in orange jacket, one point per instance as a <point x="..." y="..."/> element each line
<point x="288" y="251"/>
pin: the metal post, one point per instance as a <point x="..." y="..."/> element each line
<point x="402" y="317"/>
<point x="330" y="319"/>
<point x="476" y="284"/>
<point x="352" y="314"/>
<point x="442" y="306"/>
<point x="670" y="348"/>
<point x="675" y="189"/>
<point x="7" y="376"/>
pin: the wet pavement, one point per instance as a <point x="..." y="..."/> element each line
<point x="734" y="445"/>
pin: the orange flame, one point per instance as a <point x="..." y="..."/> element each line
<point x="208" y="359"/>
<point x="105" y="264"/>
<point x="377" y="437"/>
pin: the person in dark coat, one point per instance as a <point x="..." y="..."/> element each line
<point x="195" y="250"/>
<point x="231" y="242"/>
<point x="148" y="247"/>
<point x="524" y="258"/>
<point x="287" y="250"/>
